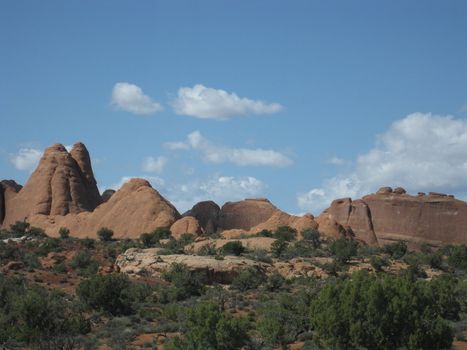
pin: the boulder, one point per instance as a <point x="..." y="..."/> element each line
<point x="136" y="261"/>
<point x="207" y="214"/>
<point x="187" y="224"/>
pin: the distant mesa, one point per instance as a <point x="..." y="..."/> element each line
<point x="62" y="192"/>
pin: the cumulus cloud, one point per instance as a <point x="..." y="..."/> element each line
<point x="208" y="103"/>
<point x="130" y="98"/>
<point x="217" y="188"/>
<point x="213" y="153"/>
<point x="26" y="158"/>
<point x="154" y="165"/>
<point x="422" y="152"/>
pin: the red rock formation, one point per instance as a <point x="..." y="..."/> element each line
<point x="207" y="214"/>
<point x="57" y="187"/>
<point x="8" y="189"/>
<point x="245" y="214"/>
<point x="388" y="216"/>
<point x="187" y="224"/>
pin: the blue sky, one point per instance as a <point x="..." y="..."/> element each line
<point x="297" y="101"/>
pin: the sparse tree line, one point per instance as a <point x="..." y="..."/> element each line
<point x="361" y="310"/>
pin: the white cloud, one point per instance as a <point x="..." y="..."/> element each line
<point x="203" y="102"/>
<point x="217" y="188"/>
<point x="213" y="153"/>
<point x="26" y="159"/>
<point x="130" y="98"/>
<point x="422" y="152"/>
<point x="155" y="181"/>
<point x="336" y="161"/>
<point x="154" y="165"/>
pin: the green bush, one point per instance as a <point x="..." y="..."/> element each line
<point x="285" y="233"/>
<point x="396" y="250"/>
<point x="385" y="312"/>
<point x="152" y="239"/>
<point x="248" y="279"/>
<point x="113" y="293"/>
<point x="377" y="263"/>
<point x="208" y="328"/>
<point x="84" y="263"/>
<point x="264" y="233"/>
<point x="343" y="249"/>
<point x="185" y="283"/>
<point x="64" y="233"/>
<point x="458" y="257"/>
<point x="105" y="234"/>
<point x="233" y="248"/>
<point x="313" y="236"/>
<point x="278" y="247"/>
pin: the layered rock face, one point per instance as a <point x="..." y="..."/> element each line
<point x="61" y="184"/>
<point x="391" y="215"/>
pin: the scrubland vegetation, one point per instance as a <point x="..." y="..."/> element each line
<point x="64" y="293"/>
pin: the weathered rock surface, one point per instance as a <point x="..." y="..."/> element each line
<point x="252" y="243"/>
<point x="58" y="186"/>
<point x="187" y="224"/>
<point x="251" y="216"/>
<point x="207" y="214"/>
<point x="140" y="261"/>
<point x="135" y="208"/>
<point x="8" y="189"/>
<point x="391" y="215"/>
<point x="107" y="194"/>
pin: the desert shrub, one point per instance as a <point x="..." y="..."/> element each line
<point x="396" y="250"/>
<point x="152" y="239"/>
<point x="434" y="260"/>
<point x="105" y="234"/>
<point x="84" y="263"/>
<point x="64" y="233"/>
<point x="49" y="245"/>
<point x="208" y="328"/>
<point x="377" y="263"/>
<point x="278" y="247"/>
<point x="457" y="257"/>
<point x="299" y="249"/>
<point x="333" y="268"/>
<point x="343" y="250"/>
<point x="261" y="255"/>
<point x="264" y="233"/>
<point x="280" y="321"/>
<point x="233" y="248"/>
<point x="248" y="279"/>
<point x="274" y="282"/>
<point x="113" y="293"/>
<point x="31" y="260"/>
<point x="34" y="316"/>
<point x="185" y="283"/>
<point x="88" y="243"/>
<point x="207" y="249"/>
<point x="285" y="233"/>
<point x="19" y="228"/>
<point x="384" y="312"/>
<point x="313" y="236"/>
